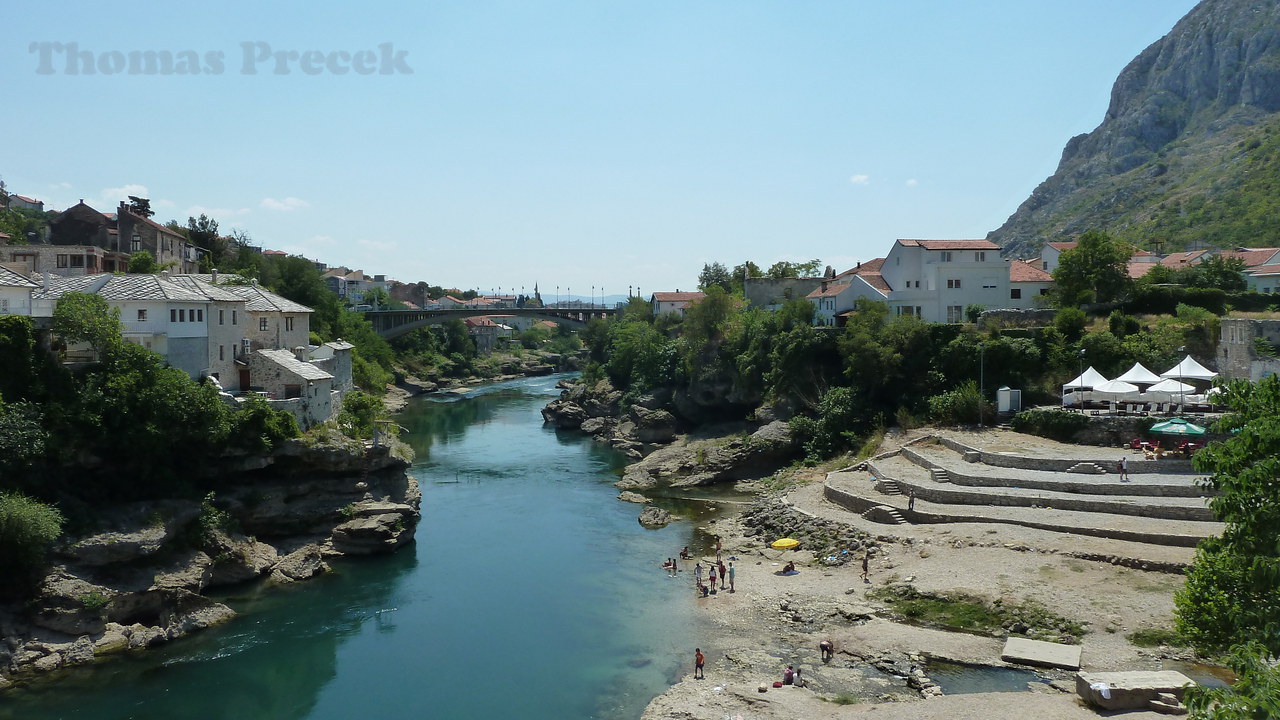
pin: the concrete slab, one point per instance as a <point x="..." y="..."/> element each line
<point x="1040" y="653"/>
<point x="1129" y="690"/>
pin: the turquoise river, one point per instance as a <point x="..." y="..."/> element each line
<point x="530" y="593"/>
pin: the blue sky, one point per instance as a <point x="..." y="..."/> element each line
<point x="572" y="144"/>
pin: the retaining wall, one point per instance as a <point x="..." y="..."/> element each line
<point x="1022" y="462"/>
<point x="1130" y="488"/>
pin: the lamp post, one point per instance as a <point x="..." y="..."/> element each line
<point x="1182" y="394"/>
<point x="982" y="378"/>
<point x="1080" y="379"/>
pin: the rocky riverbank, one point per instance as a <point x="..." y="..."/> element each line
<point x="530" y="363"/>
<point x="139" y="578"/>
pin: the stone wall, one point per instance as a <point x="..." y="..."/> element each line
<point x="1007" y="460"/>
<point x="1236" y="356"/>
<point x="763" y="292"/>
<point x="1010" y="317"/>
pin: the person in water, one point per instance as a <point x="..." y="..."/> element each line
<point x="684" y="553"/>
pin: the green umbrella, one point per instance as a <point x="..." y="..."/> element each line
<point x="1177" y="426"/>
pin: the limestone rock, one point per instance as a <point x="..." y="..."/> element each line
<point x="373" y="534"/>
<point x="633" y="497"/>
<point x="68" y="604"/>
<point x="653" y="517"/>
<point x="302" y="564"/>
<point x="243" y="560"/>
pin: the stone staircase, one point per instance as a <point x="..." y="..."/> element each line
<point x="1090" y="468"/>
<point x="939" y="475"/>
<point x="884" y="515"/>
<point x="888" y="486"/>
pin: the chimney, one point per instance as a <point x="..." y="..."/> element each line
<point x="214" y="278"/>
<point x="300" y="352"/>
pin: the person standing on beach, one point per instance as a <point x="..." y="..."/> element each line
<point x="712" y="575"/>
<point x="698" y="662"/>
<point x="911" y="501"/>
<point x="724" y="575"/>
<point x="697" y="573"/>
<point x="1124" y="469"/>
<point x="717" y="549"/>
<point x="866" y="567"/>
<point x="731" y="572"/>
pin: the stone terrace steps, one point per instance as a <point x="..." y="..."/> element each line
<point x="851" y="490"/>
<point x="1087" y="467"/>
<point x="960" y="472"/>
<point x="911" y="477"/>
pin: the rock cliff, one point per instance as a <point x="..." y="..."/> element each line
<point x="1187" y="150"/>
<point x="138" y="579"/>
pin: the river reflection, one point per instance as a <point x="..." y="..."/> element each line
<point x="531" y="592"/>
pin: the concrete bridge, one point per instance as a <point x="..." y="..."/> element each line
<point x="394" y="323"/>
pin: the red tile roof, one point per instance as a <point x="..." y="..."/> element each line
<point x="1265" y="270"/>
<point x="678" y="296"/>
<point x="1252" y="257"/>
<point x="1182" y="259"/>
<point x="831" y="290"/>
<point x="877" y="281"/>
<point x="274" y="252"/>
<point x="950" y="244"/>
<point x="1138" y="269"/>
<point x="1021" y="271"/>
<point x="1063" y="246"/>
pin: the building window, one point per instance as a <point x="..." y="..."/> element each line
<point x="142" y="315"/>
<point x="222" y="315"/>
<point x="233" y="318"/>
<point x="62" y="261"/>
<point x="77" y="261"/>
<point x="1015" y="294"/>
<point x="953" y="283"/>
<point x="199" y="315"/>
<point x="173" y="315"/>
<point x="288" y="323"/>
<point x="980" y="256"/>
<point x="4" y="305"/>
<point x="262" y="324"/>
<point x="985" y="286"/>
<point x="222" y="352"/>
<point x="946" y="256"/>
<point x="182" y="315"/>
<point x="1044" y="291"/>
<point x="955" y="313"/>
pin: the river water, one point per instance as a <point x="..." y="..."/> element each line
<point x="530" y="593"/>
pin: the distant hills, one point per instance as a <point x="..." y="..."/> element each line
<point x="1188" y="155"/>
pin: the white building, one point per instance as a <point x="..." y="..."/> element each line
<point x="935" y="280"/>
<point x="15" y="293"/>
<point x="1028" y="285"/>
<point x="676" y="302"/>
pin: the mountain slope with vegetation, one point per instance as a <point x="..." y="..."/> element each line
<point x="1188" y="154"/>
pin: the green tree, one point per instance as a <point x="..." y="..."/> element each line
<point x="27" y="528"/>
<point x="1095" y="270"/>
<point x="85" y="317"/>
<point x="1230" y="598"/>
<point x="714" y="274"/>
<point x="741" y="272"/>
<point x="379" y="299"/>
<point x="1224" y="273"/>
<point x="784" y="269"/>
<point x="143" y="263"/>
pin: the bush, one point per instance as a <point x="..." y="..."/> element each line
<point x="359" y="411"/>
<point x="961" y="406"/>
<point x="1058" y="425"/>
<point x="257" y="427"/>
<point x="27" y="528"/>
<point x="1070" y="322"/>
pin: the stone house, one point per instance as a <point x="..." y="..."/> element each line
<point x="170" y="248"/>
<point x="294" y="385"/>
<point x="335" y="358"/>
<point x="227" y="322"/>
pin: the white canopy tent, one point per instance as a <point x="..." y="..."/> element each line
<point x="1171" y="386"/>
<point x="1116" y="390"/>
<point x="1189" y="369"/>
<point x="1139" y="375"/>
<point x="1088" y="380"/>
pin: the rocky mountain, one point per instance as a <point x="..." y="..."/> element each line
<point x="1188" y="154"/>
